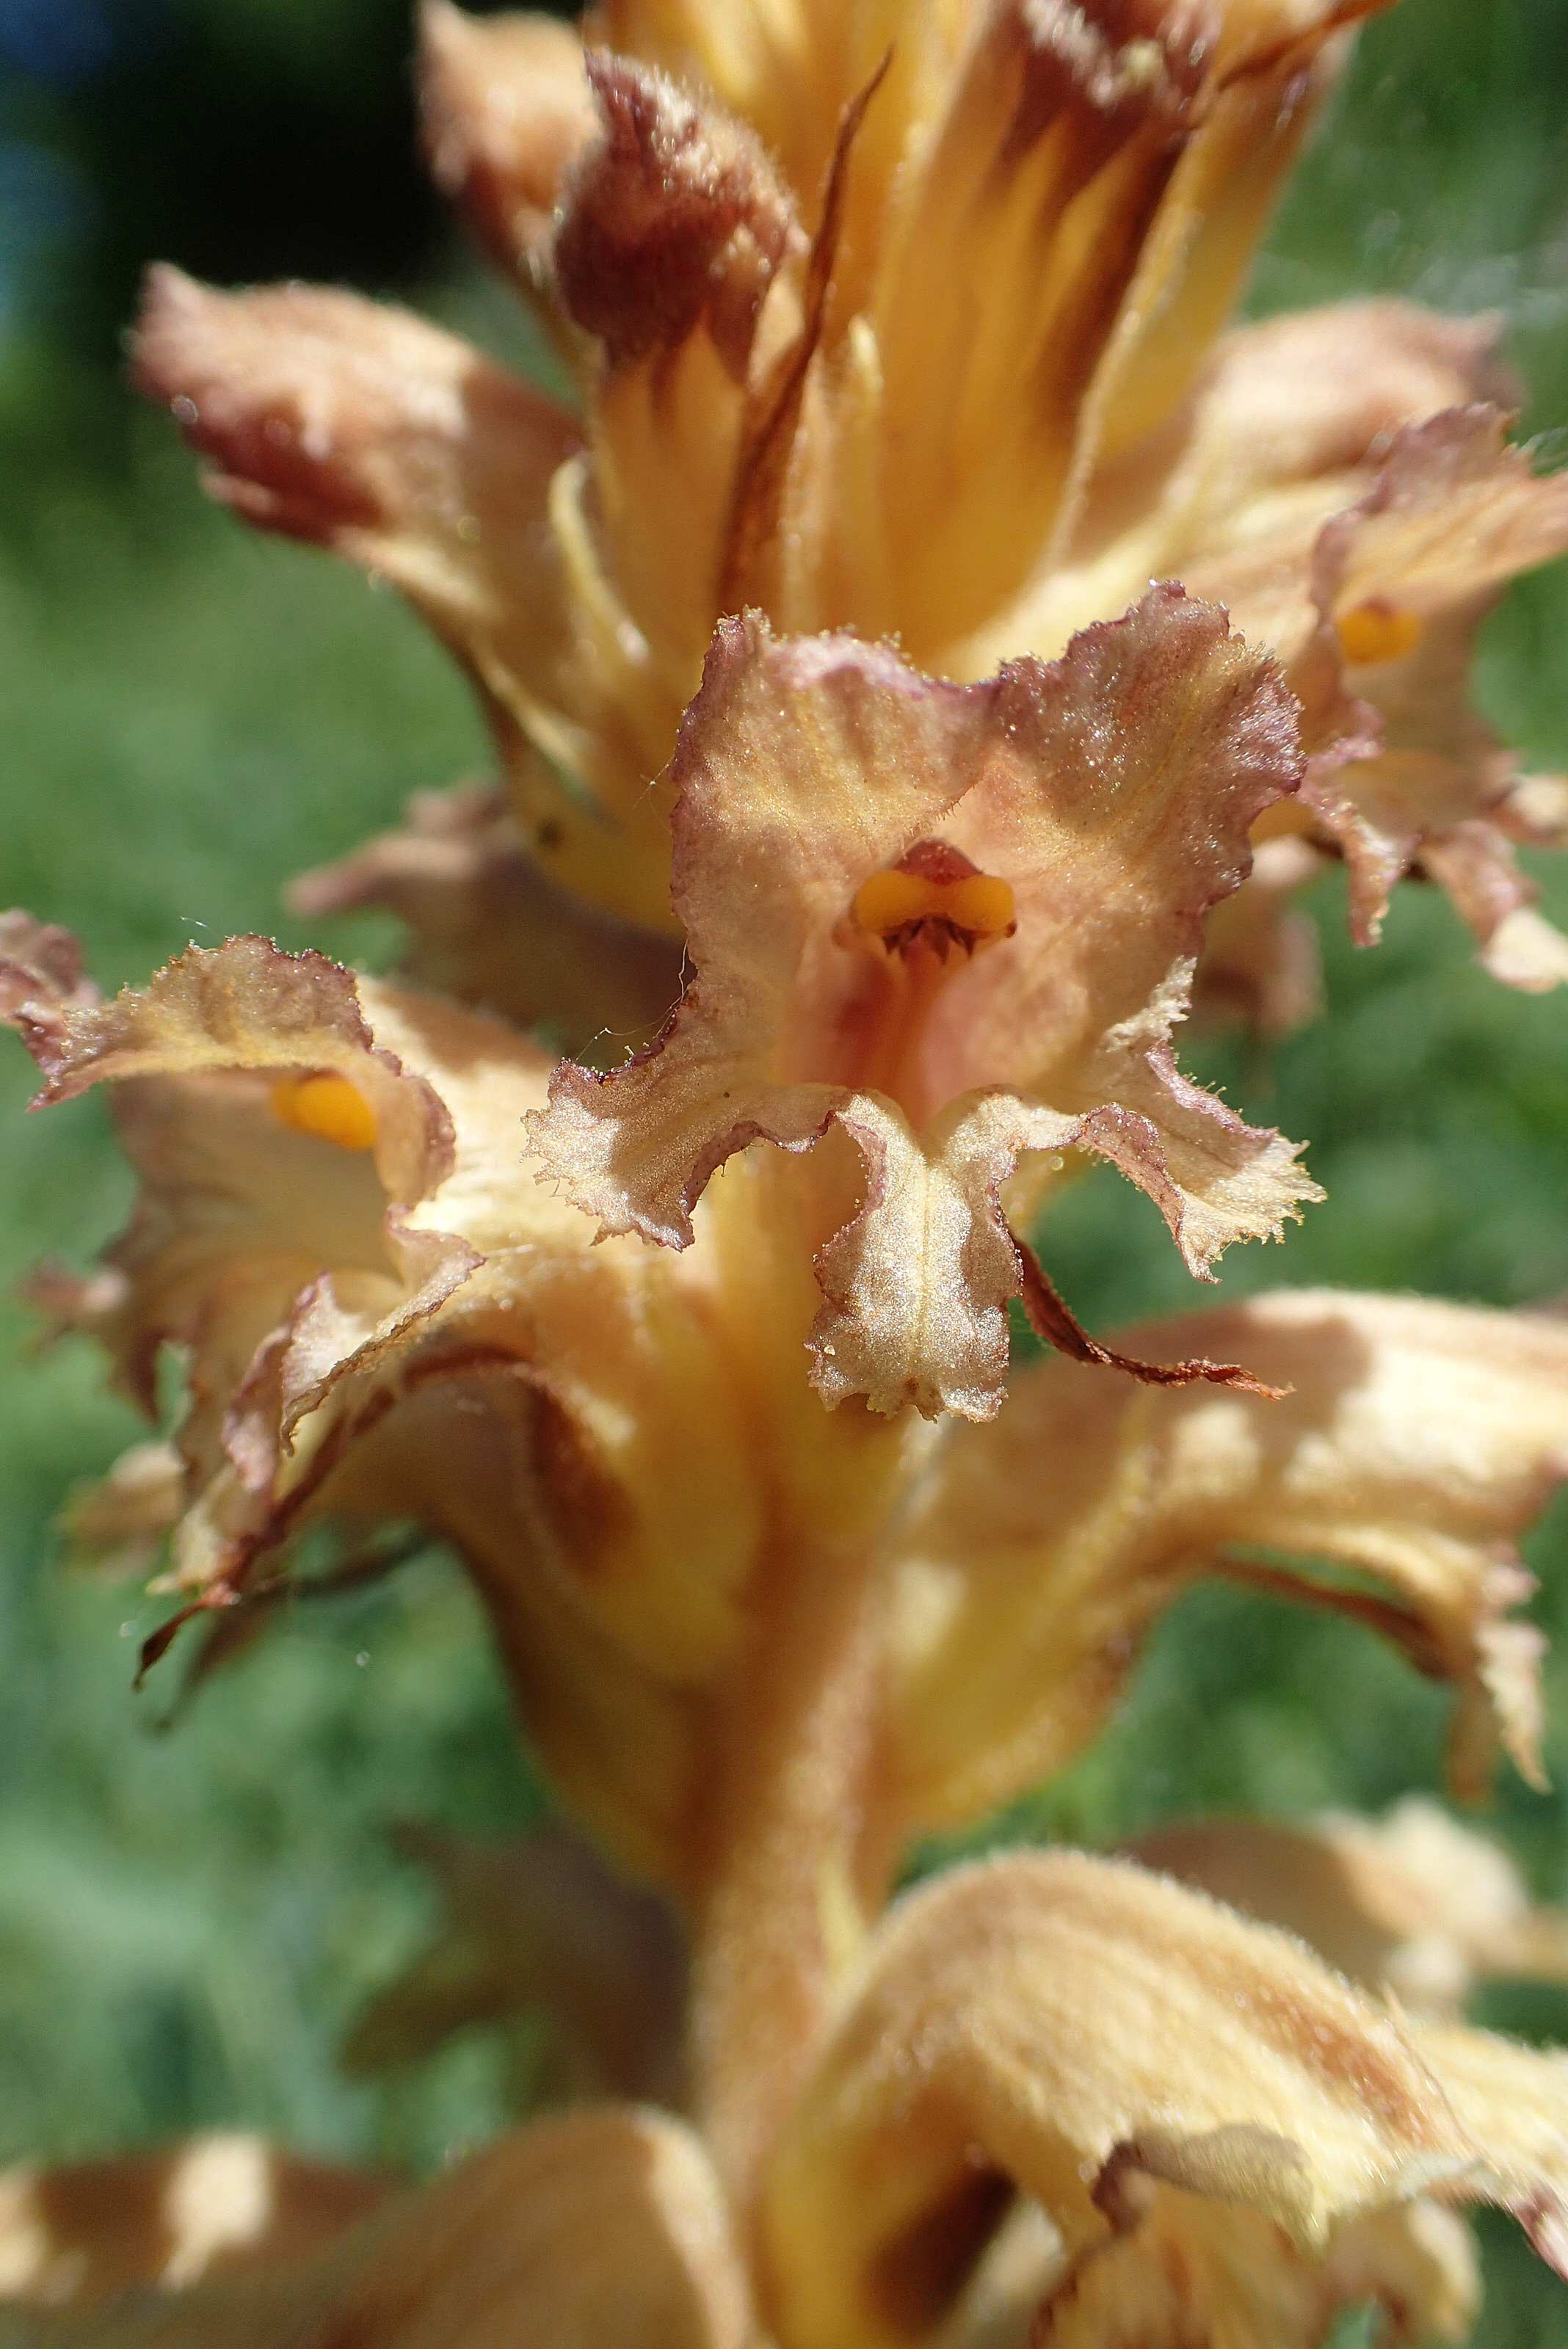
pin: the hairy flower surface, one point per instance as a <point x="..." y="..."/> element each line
<point x="1063" y="2099"/>
<point x="957" y="924"/>
<point x="382" y="1319"/>
<point x="898" y="332"/>
<point x="905" y="319"/>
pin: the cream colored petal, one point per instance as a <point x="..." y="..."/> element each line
<point x="1109" y="800"/>
<point x="1454" y="513"/>
<point x="247" y="1005"/>
<point x="75" y="2236"/>
<point x="1119" y="802"/>
<point x="341" y="420"/>
<point x="1077" y="2028"/>
<point x="490" y="927"/>
<point x="1417" y="1441"/>
<point x="413" y="1329"/>
<point x="916" y="1287"/>
<point x="1377" y="609"/>
<point x="1455" y="510"/>
<point x="1411" y="1903"/>
<point x="538" y="1930"/>
<point x="607" y="2226"/>
<point x="1287" y="429"/>
<point x="807" y="765"/>
<point x="243" y="1209"/>
<point x="1513" y="2101"/>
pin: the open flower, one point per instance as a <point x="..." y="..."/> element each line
<point x="382" y="1319"/>
<point x="906" y="323"/>
<point x="957" y="924"/>
<point x="1064" y="2100"/>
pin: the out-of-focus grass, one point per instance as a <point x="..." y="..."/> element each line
<point x="189" y="715"/>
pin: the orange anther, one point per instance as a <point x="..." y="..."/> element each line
<point x="1375" y="631"/>
<point x="934" y="885"/>
<point x="982" y="905"/>
<point x="327" y="1106"/>
<point x="890" y="900"/>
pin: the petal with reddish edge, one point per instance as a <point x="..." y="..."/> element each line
<point x="916" y="1287"/>
<point x="1121" y="787"/>
<point x="243" y="1005"/>
<point x="802" y="766"/>
<point x="1113" y="795"/>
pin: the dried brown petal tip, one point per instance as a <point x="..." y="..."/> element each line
<point x="675" y="219"/>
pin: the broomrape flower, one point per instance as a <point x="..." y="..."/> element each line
<point x="763" y="1647"/>
<point x="907" y="319"/>
<point x="779" y="1586"/>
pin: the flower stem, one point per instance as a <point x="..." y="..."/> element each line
<point x="797" y="1868"/>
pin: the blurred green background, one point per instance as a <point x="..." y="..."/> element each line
<point x="189" y="1916"/>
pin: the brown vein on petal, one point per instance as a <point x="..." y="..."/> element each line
<point x="1052" y="1320"/>
<point x="764" y="463"/>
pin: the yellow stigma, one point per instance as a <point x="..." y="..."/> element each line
<point x="1375" y="631"/>
<point x="327" y="1106"/>
<point x="973" y="907"/>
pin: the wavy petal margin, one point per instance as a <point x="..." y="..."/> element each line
<point x="1112" y="792"/>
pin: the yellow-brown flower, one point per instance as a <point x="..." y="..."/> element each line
<point x="957" y="925"/>
<point x="901" y="319"/>
<point x="383" y="1318"/>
